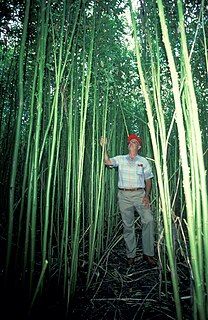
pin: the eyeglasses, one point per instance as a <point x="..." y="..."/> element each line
<point x="133" y="142"/>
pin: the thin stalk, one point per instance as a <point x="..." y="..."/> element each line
<point x="17" y="137"/>
<point x="53" y="145"/>
<point x="26" y="165"/>
<point x="38" y="286"/>
<point x="67" y="203"/>
<point x="93" y="177"/>
<point x="184" y="156"/>
<point x="95" y="244"/>
<point x="203" y="200"/>
<point x="204" y="37"/>
<point x="55" y="184"/>
<point x="28" y="218"/>
<point x="42" y="53"/>
<point x="75" y="246"/>
<point x="163" y="186"/>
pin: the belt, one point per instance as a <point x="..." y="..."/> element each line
<point x="133" y="189"/>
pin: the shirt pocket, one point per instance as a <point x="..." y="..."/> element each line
<point x="140" y="169"/>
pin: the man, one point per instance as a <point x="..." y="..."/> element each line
<point x="134" y="185"/>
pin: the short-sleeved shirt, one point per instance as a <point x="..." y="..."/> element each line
<point x="132" y="173"/>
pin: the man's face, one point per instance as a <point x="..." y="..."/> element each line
<point x="133" y="145"/>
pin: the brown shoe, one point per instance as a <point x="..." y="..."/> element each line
<point x="130" y="261"/>
<point x="149" y="260"/>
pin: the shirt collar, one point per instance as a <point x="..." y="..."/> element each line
<point x="128" y="157"/>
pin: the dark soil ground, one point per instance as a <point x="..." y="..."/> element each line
<point x="121" y="292"/>
<point x="117" y="291"/>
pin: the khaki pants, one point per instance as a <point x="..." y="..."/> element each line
<point x="129" y="202"/>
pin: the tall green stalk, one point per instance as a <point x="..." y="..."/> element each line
<point x="64" y="259"/>
<point x="75" y="245"/>
<point x="204" y="37"/>
<point x="41" y="57"/>
<point x="198" y="172"/>
<point x="161" y="174"/>
<point x="183" y="154"/>
<point x="26" y="170"/>
<point x="17" y="137"/>
<point x="96" y="222"/>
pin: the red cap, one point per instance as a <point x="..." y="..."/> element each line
<point x="134" y="136"/>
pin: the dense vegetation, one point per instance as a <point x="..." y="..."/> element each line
<point x="69" y="74"/>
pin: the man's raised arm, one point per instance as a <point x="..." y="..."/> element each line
<point x="107" y="161"/>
